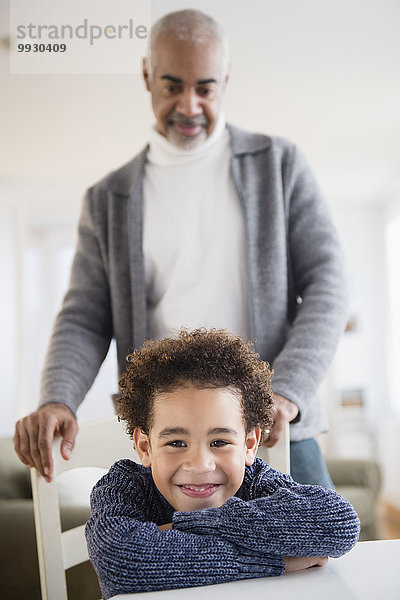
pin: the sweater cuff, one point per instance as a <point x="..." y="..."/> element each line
<point x="206" y="521"/>
<point x="201" y="522"/>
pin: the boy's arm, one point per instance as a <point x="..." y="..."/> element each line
<point x="131" y="554"/>
<point x="289" y="519"/>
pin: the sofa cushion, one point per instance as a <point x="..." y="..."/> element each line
<point x="363" y="501"/>
<point x="14" y="476"/>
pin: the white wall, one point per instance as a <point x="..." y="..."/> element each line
<point x="37" y="238"/>
<point x="8" y="317"/>
<point x="361" y="358"/>
<point x="393" y="298"/>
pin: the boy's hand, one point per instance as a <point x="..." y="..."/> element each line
<point x="165" y="526"/>
<point x="34" y="436"/>
<point x="298" y="563"/>
<point x="284" y="412"/>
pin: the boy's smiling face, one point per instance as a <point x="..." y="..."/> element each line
<point x="197" y="447"/>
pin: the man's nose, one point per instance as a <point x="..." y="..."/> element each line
<point x="199" y="461"/>
<point x="189" y="104"/>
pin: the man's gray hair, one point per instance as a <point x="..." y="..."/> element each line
<point x="191" y="26"/>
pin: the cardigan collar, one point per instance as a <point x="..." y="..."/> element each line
<point x="124" y="179"/>
<point x="246" y="142"/>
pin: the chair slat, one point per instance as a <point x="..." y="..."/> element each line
<point x="74" y="548"/>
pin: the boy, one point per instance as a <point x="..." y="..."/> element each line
<point x="202" y="509"/>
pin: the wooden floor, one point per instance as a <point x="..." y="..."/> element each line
<point x="388" y="521"/>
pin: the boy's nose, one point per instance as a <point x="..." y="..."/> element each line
<point x="199" y="461"/>
<point x="188" y="104"/>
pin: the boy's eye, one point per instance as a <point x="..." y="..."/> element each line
<point x="218" y="443"/>
<point x="177" y="444"/>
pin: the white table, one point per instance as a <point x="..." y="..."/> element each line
<point x="371" y="571"/>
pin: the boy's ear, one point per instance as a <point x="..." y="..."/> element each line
<point x="142" y="445"/>
<point x="252" y="442"/>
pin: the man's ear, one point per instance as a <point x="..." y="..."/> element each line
<point x="252" y="441"/>
<point x="142" y="445"/>
<point x="145" y="73"/>
<point x="228" y="73"/>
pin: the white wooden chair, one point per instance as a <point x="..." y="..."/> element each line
<point x="278" y="456"/>
<point x="98" y="444"/>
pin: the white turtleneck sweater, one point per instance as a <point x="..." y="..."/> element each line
<point x="193" y="238"/>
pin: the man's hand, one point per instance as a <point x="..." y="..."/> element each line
<point x="34" y="435"/>
<point x="284" y="412"/>
<point x="298" y="563"/>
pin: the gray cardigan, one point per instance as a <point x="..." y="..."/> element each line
<point x="296" y="289"/>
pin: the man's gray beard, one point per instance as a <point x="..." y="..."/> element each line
<point x="184" y="142"/>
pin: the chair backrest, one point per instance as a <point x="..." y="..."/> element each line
<point x="279" y="455"/>
<point x="98" y="444"/>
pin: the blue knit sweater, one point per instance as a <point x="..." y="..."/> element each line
<point x="269" y="517"/>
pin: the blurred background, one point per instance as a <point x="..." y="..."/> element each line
<point x="323" y="73"/>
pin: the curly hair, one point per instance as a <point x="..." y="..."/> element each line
<point x="202" y="358"/>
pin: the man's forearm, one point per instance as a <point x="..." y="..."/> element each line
<point x="72" y="363"/>
<point x="83" y="328"/>
<point x="317" y="276"/>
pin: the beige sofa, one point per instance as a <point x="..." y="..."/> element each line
<point x="359" y="481"/>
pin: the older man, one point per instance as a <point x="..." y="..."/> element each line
<point x="208" y="226"/>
